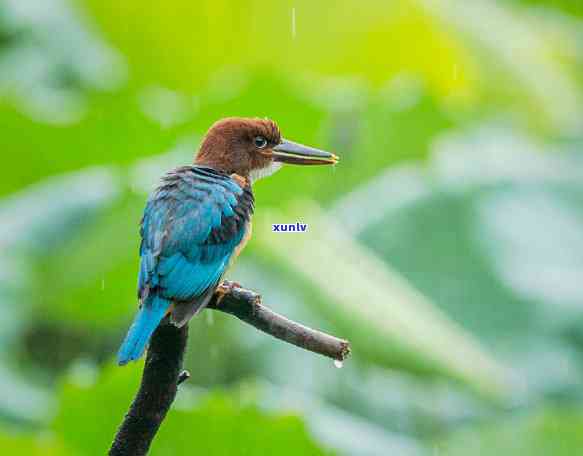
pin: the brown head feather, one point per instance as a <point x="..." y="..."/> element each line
<point x="229" y="145"/>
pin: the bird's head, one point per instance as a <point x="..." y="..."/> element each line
<point x="254" y="148"/>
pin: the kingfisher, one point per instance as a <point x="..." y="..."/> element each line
<point x="198" y="219"/>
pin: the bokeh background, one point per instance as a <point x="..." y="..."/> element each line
<point x="447" y="245"/>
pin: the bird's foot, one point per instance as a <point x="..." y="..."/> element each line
<point x="224" y="289"/>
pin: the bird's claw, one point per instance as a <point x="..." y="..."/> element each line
<point x="224" y="289"/>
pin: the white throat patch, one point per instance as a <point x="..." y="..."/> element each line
<point x="256" y="174"/>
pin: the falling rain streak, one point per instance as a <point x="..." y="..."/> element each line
<point x="293" y="23"/>
<point x="210" y="320"/>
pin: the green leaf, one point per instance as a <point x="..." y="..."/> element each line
<point x="381" y="312"/>
<point x="219" y="425"/>
<point x="89" y="413"/>
<point x="555" y="432"/>
<point x="30" y="445"/>
<point x="496" y="244"/>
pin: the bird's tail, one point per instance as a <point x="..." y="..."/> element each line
<point x="147" y="320"/>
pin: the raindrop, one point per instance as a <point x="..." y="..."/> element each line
<point x="338" y="363"/>
<point x="209" y="318"/>
<point x="102" y="284"/>
<point x="293" y="19"/>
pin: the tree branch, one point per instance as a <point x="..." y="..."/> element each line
<point x="246" y="306"/>
<point x="156" y="394"/>
<point x="163" y="368"/>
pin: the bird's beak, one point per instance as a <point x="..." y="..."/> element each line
<point x="298" y="154"/>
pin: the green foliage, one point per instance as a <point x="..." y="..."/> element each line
<point x="403" y="325"/>
<point x="90" y="414"/>
<point x="541" y="433"/>
<point x="250" y="431"/>
<point x="92" y="295"/>
<point x="31" y="445"/>
<point x="563" y="6"/>
<point x="448" y="252"/>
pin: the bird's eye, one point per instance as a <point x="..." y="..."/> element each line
<point x="260" y="142"/>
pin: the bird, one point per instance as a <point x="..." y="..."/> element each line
<point x="198" y="219"/>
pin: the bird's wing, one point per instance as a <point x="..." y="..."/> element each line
<point x="191" y="226"/>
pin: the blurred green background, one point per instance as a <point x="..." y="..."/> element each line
<point x="447" y="245"/>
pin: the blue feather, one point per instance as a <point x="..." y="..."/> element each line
<point x="191" y="226"/>
<point x="146" y="321"/>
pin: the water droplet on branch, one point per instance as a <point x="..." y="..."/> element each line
<point x="338" y="363"/>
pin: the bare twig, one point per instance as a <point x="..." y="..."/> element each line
<point x="246" y="306"/>
<point x="184" y="375"/>
<point x="163" y="368"/>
